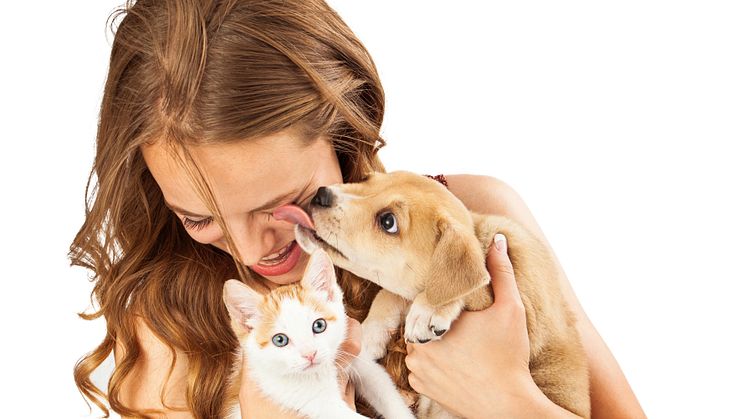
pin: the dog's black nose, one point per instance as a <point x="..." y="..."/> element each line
<point x="324" y="198"/>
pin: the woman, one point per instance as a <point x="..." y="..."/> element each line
<point x="215" y="113"/>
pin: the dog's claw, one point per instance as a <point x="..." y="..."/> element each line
<point x="423" y="340"/>
<point x="439" y="332"/>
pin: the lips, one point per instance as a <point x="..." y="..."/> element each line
<point x="283" y="263"/>
<point x="278" y="256"/>
<point x="284" y="260"/>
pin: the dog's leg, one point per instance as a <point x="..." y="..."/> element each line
<point x="428" y="409"/>
<point x="423" y="407"/>
<point x="425" y="322"/>
<point x="384" y="318"/>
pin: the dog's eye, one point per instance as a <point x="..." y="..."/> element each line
<point x="387" y="221"/>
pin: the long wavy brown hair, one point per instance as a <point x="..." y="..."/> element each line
<point x="195" y="72"/>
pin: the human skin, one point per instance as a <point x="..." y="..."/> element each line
<point x="611" y="394"/>
<point x="244" y="175"/>
<point x="509" y="391"/>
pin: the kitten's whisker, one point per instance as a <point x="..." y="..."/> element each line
<point x="352" y="374"/>
<point x="343" y="352"/>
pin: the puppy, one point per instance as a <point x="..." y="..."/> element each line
<point x="426" y="250"/>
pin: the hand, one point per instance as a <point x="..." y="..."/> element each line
<point x="484" y="357"/>
<point x="255" y="405"/>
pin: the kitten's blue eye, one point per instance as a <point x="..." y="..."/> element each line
<point x="387" y="221"/>
<point x="280" y="340"/>
<point x="319" y="326"/>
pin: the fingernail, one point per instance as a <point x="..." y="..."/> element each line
<point x="501" y="243"/>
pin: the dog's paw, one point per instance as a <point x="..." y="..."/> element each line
<point x="439" y="325"/>
<point x="425" y="323"/>
<point x="418" y="327"/>
<point x="444" y="316"/>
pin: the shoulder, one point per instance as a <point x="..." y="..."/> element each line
<point x="489" y="195"/>
<point x="141" y="389"/>
<point x="479" y="191"/>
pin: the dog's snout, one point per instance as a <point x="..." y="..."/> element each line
<point x="324" y="198"/>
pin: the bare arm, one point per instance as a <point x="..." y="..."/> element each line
<point x="255" y="405"/>
<point x="142" y="388"/>
<point x="611" y="394"/>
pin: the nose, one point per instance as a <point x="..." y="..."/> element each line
<point x="323" y="198"/>
<point x="253" y="240"/>
<point x="310" y="356"/>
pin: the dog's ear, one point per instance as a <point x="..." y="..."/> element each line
<point x="457" y="266"/>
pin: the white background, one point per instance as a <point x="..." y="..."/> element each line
<point x="621" y="125"/>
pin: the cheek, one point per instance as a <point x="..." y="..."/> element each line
<point x="209" y="235"/>
<point x="274" y="356"/>
<point x="333" y="337"/>
<point x="354" y="223"/>
<point x="285" y="355"/>
<point x="368" y="240"/>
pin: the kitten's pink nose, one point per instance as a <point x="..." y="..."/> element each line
<point x="310" y="356"/>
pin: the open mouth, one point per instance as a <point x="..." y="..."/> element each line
<point x="311" y="235"/>
<point x="277" y="257"/>
<point x="280" y="262"/>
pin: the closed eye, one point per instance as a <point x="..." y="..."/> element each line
<point x="196" y="225"/>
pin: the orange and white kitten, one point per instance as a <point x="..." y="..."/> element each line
<point x="290" y="339"/>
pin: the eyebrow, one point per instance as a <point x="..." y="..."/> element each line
<point x="295" y="194"/>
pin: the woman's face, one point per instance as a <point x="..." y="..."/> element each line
<point x="249" y="179"/>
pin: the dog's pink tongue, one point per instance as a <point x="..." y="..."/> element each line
<point x="293" y="214"/>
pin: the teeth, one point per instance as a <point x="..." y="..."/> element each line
<point x="270" y="258"/>
<point x="272" y="263"/>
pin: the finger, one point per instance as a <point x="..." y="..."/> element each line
<point x="409" y="361"/>
<point x="501" y="272"/>
<point x="414" y="382"/>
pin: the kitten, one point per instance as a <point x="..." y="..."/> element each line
<point x="291" y="338"/>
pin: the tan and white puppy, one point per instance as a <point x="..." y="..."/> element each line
<point x="411" y="236"/>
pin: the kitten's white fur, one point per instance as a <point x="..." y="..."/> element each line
<point x="284" y="375"/>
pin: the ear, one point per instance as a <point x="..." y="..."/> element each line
<point x="319" y="275"/>
<point x="457" y="267"/>
<point x="241" y="301"/>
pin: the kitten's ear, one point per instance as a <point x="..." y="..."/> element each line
<point x="319" y="275"/>
<point x="242" y="302"/>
